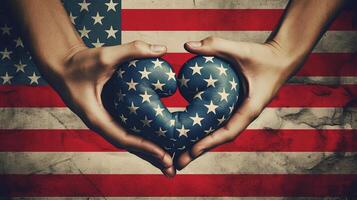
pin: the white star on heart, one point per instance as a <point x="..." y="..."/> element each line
<point x="158" y="110"/>
<point x="131" y="85"/>
<point x="210" y="81"/>
<point x="146" y="122"/>
<point x="146" y="97"/>
<point x="233" y="84"/>
<point x="158" y="85"/>
<point x="183" y="81"/>
<point x="196" y="69"/>
<point x="196" y="120"/>
<point x="211" y="107"/>
<point x="222" y="70"/>
<point x="133" y="108"/>
<point x="144" y="74"/>
<point x="183" y="131"/>
<point x="161" y="132"/>
<point x="223" y="95"/>
<point x="157" y="63"/>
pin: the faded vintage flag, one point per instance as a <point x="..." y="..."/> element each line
<point x="302" y="145"/>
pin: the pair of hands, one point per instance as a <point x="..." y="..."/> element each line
<point x="86" y="70"/>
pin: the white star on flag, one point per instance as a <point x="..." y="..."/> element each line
<point x="111" y="6"/>
<point x="72" y="18"/>
<point x="19" y="42"/>
<point x="84" y="5"/>
<point x="97" y="44"/>
<point x="34" y="78"/>
<point x="5" y="54"/>
<point x="84" y="32"/>
<point x="20" y="66"/>
<point x="6" y="78"/>
<point x="111" y="32"/>
<point x="98" y="19"/>
<point x="6" y="29"/>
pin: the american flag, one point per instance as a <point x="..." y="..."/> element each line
<point x="302" y="145"/>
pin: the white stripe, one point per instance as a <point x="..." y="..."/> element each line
<point x="170" y="198"/>
<point x="219" y="163"/>
<point x="332" y="41"/>
<point x="271" y="118"/>
<point x="204" y="4"/>
<point x="324" y="80"/>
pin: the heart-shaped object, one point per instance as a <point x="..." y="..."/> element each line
<point x="209" y="84"/>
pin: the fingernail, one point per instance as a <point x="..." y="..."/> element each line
<point x="195" y="44"/>
<point x="157" y="48"/>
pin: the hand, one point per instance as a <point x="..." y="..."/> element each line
<point x="265" y="68"/>
<point x="79" y="80"/>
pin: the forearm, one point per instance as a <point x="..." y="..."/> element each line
<point x="302" y="25"/>
<point x="47" y="30"/>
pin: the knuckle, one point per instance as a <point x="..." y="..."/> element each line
<point x="102" y="57"/>
<point x="197" y="150"/>
<point x="138" y="44"/>
<point x="91" y="121"/>
<point x="123" y="143"/>
<point x="231" y="137"/>
<point x="254" y="112"/>
<point x="211" y="40"/>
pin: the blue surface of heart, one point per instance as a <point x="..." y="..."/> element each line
<point x="209" y="84"/>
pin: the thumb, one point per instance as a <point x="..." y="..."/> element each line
<point x="133" y="50"/>
<point x="215" y="46"/>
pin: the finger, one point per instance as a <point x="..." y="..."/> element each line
<point x="114" y="55"/>
<point x="99" y="120"/>
<point x="238" y="122"/>
<point x="216" y="46"/>
<point x="169" y="171"/>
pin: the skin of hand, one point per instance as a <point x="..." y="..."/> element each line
<point x="265" y="67"/>
<point x="78" y="73"/>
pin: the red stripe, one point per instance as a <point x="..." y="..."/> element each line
<point x="182" y="185"/>
<point x="288" y="96"/>
<point x="214" y="19"/>
<point x="248" y="141"/>
<point x="318" y="64"/>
